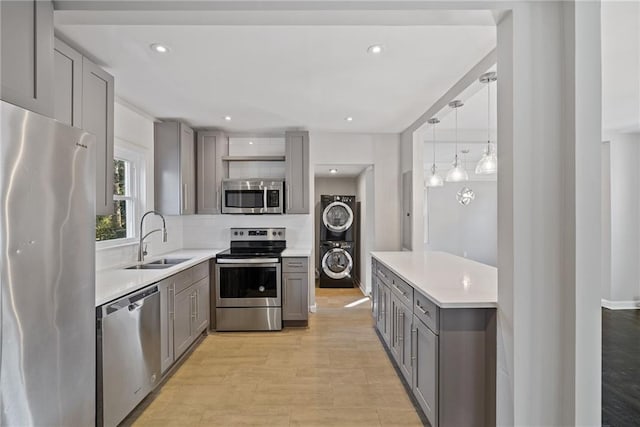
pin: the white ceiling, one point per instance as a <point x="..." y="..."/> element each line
<point x="268" y="78"/>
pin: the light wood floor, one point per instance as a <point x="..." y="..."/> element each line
<point x="333" y="373"/>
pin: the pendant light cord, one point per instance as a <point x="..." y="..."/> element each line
<point x="456" y="156"/>
<point x="434" y="146"/>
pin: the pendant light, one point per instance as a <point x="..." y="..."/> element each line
<point x="488" y="164"/>
<point x="434" y="180"/>
<point x="457" y="172"/>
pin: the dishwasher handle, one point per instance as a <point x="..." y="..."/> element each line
<point x="130" y="302"/>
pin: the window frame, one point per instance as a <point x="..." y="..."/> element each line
<point x="135" y="157"/>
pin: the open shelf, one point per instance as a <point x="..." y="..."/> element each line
<point x="253" y="158"/>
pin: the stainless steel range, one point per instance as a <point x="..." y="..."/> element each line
<point x="248" y="281"/>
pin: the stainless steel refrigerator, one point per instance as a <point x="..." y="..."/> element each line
<point x="47" y="223"/>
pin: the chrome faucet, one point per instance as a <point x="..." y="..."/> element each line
<point x="142" y="251"/>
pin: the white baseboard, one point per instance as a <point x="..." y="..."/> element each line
<point x="621" y="305"/>
<point x="313" y="308"/>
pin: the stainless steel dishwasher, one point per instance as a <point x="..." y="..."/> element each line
<point x="128" y="352"/>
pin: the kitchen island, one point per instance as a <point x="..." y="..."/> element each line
<point x="435" y="313"/>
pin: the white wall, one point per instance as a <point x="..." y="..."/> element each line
<point x="367" y="238"/>
<point x="624" y="193"/>
<point x="469" y="231"/>
<point x="382" y="151"/>
<point x="212" y="231"/>
<point x="134" y="129"/>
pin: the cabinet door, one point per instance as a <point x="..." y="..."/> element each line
<point x="394" y="333"/>
<point x="207" y="182"/>
<point x="201" y="317"/>
<point x="405" y="363"/>
<point x="297" y="174"/>
<point x="374" y="297"/>
<point x="384" y="319"/>
<point x="295" y="288"/>
<point x="407" y="207"/>
<point x="187" y="170"/>
<point x="166" y="288"/>
<point x="67" y="78"/>
<point x="26" y="54"/>
<point x="425" y="370"/>
<point x="184" y="311"/>
<point x="97" y="118"/>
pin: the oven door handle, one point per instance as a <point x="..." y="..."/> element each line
<point x="247" y="261"/>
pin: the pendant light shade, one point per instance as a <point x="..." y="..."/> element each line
<point x="457" y="172"/>
<point x="488" y="164"/>
<point x="434" y="180"/>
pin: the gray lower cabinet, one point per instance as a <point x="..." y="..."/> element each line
<point x="447" y="356"/>
<point x="425" y="370"/>
<point x="400" y="336"/>
<point x="295" y="290"/>
<point x="384" y="315"/>
<point x="191" y="315"/>
<point x="26" y="54"/>
<point x="167" y="291"/>
<point x="297" y="172"/>
<point x="183" y="333"/>
<point x="175" y="168"/>
<point x="211" y="147"/>
<point x="97" y="118"/>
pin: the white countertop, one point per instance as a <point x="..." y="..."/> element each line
<point x="115" y="282"/>
<point x="296" y="252"/>
<point x="448" y="280"/>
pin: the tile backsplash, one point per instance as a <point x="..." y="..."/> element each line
<point x="124" y="254"/>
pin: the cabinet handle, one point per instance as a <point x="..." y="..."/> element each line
<point x="193" y="311"/>
<point x="171" y="297"/>
<point x="196" y="304"/>
<point x="184" y="198"/>
<point x="401" y="335"/>
<point x="400" y="289"/>
<point x="414" y="339"/>
<point x="425" y="312"/>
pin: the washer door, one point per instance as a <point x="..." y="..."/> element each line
<point x="337" y="263"/>
<point x="337" y="216"/>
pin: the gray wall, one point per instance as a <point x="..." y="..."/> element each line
<point x="469" y="231"/>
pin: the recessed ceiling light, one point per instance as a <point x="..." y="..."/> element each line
<point x="375" y="49"/>
<point x="250" y="142"/>
<point x="227" y="118"/>
<point x="159" y="48"/>
<point x="333" y="170"/>
<point x="349" y="119"/>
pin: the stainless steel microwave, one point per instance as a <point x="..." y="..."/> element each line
<point x="252" y="196"/>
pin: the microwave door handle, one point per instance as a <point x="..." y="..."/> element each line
<point x="264" y="198"/>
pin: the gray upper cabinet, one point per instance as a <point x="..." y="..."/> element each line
<point x="26" y="32"/>
<point x="175" y="174"/>
<point x="210" y="170"/>
<point x="297" y="172"/>
<point x="67" y="78"/>
<point x="84" y="98"/>
<point x="97" y="118"/>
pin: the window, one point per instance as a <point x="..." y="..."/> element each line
<point x="120" y="227"/>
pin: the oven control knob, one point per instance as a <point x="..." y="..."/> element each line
<point x="235" y="233"/>
<point x="242" y="233"/>
<point x="274" y="233"/>
<point x="261" y="288"/>
<point x="279" y="233"/>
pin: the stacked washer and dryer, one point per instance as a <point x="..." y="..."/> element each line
<point x="337" y="241"/>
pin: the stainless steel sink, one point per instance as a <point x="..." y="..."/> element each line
<point x="169" y="261"/>
<point x="159" y="264"/>
<point x="149" y="266"/>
